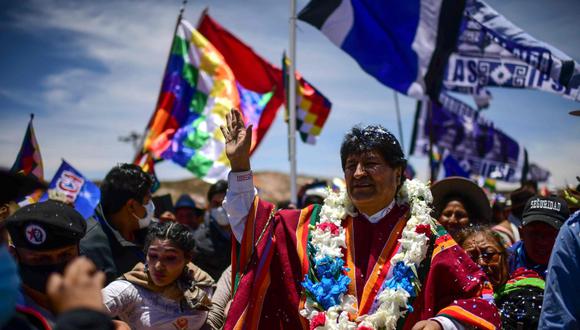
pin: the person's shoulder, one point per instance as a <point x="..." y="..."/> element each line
<point x="571" y="228"/>
<point x="94" y="228"/>
<point x="94" y="235"/>
<point x="120" y="287"/>
<point x="200" y="276"/>
<point x="294" y="212"/>
<point x="573" y="221"/>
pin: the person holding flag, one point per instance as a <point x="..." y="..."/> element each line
<point x="370" y="257"/>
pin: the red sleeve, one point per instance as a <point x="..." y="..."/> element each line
<point x="455" y="287"/>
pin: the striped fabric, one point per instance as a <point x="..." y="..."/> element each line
<point x="198" y="90"/>
<point x="312" y="108"/>
<point x="403" y="44"/>
<point x="29" y="161"/>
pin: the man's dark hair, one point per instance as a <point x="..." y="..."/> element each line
<point x="179" y="235"/>
<point x="124" y="182"/>
<point x="373" y="138"/>
<point x="217" y="188"/>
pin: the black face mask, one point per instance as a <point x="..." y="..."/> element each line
<point x="37" y="276"/>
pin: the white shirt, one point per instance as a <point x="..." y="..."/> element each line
<point x="143" y="309"/>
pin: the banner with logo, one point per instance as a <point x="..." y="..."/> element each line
<point x="476" y="146"/>
<point x="71" y="185"/>
<point x="492" y="51"/>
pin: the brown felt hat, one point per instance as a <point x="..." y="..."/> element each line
<point x="467" y="191"/>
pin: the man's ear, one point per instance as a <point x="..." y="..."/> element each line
<point x="398" y="173"/>
<point x="131" y="205"/>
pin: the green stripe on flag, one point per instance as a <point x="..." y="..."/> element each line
<point x="197" y="138"/>
<point x="179" y="46"/>
<point x="199" y="165"/>
<point x="198" y="102"/>
<point x="190" y="74"/>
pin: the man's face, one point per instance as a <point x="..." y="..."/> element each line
<point x="35" y="267"/>
<point x="137" y="210"/>
<point x="188" y="216"/>
<point x="539" y="239"/>
<point x="216" y="200"/>
<point x="48" y="257"/>
<point x="370" y="182"/>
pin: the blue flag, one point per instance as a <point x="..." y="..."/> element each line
<point x="403" y="44"/>
<point x="473" y="141"/>
<point x="493" y="52"/>
<point x="452" y="167"/>
<point x="78" y="190"/>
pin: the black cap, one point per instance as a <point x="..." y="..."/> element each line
<point x="46" y="226"/>
<point x="551" y="210"/>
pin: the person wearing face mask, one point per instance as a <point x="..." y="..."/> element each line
<point x="213" y="238"/>
<point x="113" y="239"/>
<point x="45" y="237"/>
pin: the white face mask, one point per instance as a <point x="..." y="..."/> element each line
<point x="220" y="216"/>
<point x="148" y="217"/>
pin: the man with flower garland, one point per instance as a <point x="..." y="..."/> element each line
<point x="369" y="258"/>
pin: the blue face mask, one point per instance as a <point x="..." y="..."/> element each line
<point x="9" y="284"/>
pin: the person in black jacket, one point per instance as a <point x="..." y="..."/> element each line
<point x="112" y="238"/>
<point x="213" y="239"/>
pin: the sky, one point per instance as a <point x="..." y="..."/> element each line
<point x="90" y="71"/>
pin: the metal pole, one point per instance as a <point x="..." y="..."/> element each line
<point x="399" y="120"/>
<point x="292" y="104"/>
<point x="432" y="170"/>
<point x="144" y="136"/>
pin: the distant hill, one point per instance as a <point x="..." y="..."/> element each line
<point x="273" y="186"/>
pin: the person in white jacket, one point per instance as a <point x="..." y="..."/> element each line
<point x="169" y="291"/>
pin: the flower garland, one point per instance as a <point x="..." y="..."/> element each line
<point x="327" y="303"/>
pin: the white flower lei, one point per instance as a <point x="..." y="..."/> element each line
<point x="392" y="304"/>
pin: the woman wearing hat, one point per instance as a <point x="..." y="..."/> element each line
<point x="168" y="292"/>
<point x="458" y="202"/>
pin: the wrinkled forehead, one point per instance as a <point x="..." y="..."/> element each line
<point x="479" y="240"/>
<point x="366" y="155"/>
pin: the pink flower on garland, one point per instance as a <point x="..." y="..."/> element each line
<point x="423" y="229"/>
<point x="318" y="321"/>
<point x="334" y="229"/>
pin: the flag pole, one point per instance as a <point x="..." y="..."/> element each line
<point x="432" y="174"/>
<point x="399" y="119"/>
<point x="292" y="104"/>
<point x="138" y="154"/>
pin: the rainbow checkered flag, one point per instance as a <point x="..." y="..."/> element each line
<point x="198" y="90"/>
<point x="312" y="108"/>
<point x="29" y="161"/>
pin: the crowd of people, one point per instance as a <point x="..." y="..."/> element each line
<point x="236" y="261"/>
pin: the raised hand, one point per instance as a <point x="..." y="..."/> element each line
<point x="238" y="141"/>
